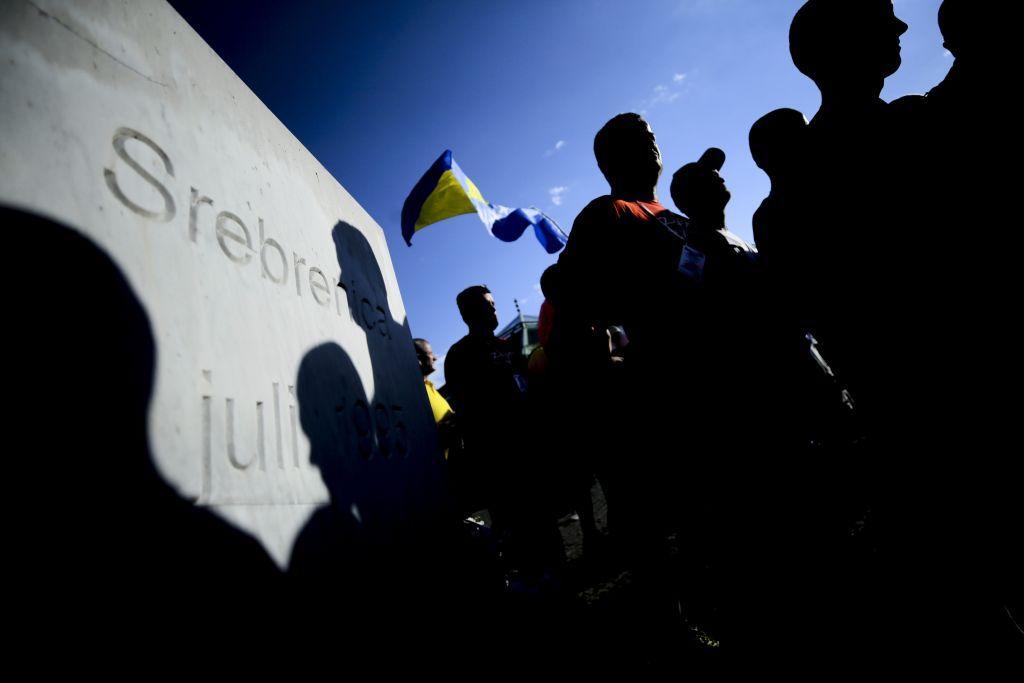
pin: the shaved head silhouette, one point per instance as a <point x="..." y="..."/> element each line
<point x="836" y="41"/>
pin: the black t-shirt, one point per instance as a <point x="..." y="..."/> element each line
<point x="485" y="378"/>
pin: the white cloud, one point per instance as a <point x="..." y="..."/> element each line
<point x="558" y="146"/>
<point x="556" y="194"/>
<point x="663" y="94"/>
<point x="663" y="97"/>
<point x="536" y="288"/>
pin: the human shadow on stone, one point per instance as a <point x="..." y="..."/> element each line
<point x="386" y="546"/>
<point x="329" y="558"/>
<point x="409" y="486"/>
<point x="99" y="531"/>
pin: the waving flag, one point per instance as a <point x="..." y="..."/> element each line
<point x="444" y="191"/>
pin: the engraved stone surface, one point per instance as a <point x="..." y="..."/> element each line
<point x="118" y="120"/>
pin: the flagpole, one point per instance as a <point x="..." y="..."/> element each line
<point x="522" y="324"/>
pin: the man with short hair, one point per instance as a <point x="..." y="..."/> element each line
<point x="620" y="268"/>
<point x="776" y="146"/>
<point x="849" y="268"/>
<point x="486" y="381"/>
<point x="444" y="416"/>
<point x="624" y="246"/>
<point x="427" y="360"/>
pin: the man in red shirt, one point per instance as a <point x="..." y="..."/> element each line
<point x="619" y="268"/>
<point x="624" y="246"/>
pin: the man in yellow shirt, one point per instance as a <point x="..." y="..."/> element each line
<point x="427" y="360"/>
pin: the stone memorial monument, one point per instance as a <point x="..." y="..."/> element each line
<point x="283" y="356"/>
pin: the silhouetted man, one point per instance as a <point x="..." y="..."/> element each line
<point x="964" y="516"/>
<point x="848" y="48"/>
<point x="729" y="355"/>
<point x="443" y="414"/>
<point x="876" y="294"/>
<point x="619" y="268"/>
<point x="486" y="381"/>
<point x="427" y="362"/>
<point x="624" y="246"/>
<point x="970" y="31"/>
<point x="777" y="147"/>
<point x="849" y="260"/>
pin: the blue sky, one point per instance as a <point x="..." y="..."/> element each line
<point x="377" y="90"/>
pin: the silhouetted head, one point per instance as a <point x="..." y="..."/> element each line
<point x="967" y="27"/>
<point x="551" y="284"/>
<point x="83" y="357"/>
<point x="333" y="412"/>
<point x="698" y="190"/>
<point x="476" y="305"/>
<point x="363" y="281"/>
<point x="628" y="155"/>
<point x="842" y="44"/>
<point x="425" y="356"/>
<point x="776" y="141"/>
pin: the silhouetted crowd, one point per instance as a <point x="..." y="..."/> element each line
<point x="806" y="447"/>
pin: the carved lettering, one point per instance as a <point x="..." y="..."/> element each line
<point x="277" y="426"/>
<point x="195" y="201"/>
<point x="273" y="244"/>
<point x="295" y="427"/>
<point x="120" y="137"/>
<point x="298" y="261"/>
<point x="225" y="235"/>
<point x="237" y="242"/>
<point x="318" y="286"/>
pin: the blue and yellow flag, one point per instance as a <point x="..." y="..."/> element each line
<point x="444" y="191"/>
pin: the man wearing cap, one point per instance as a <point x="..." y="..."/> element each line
<point x="700" y="192"/>
<point x="721" y="367"/>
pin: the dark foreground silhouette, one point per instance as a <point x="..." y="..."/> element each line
<point x="103" y="549"/>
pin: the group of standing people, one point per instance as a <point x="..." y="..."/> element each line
<point x="823" y="421"/>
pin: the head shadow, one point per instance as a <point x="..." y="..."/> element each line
<point x="397" y="381"/>
<point x="372" y="442"/>
<point x="373" y="451"/>
<point x="85" y="362"/>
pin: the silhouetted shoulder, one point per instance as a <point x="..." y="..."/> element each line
<point x="327" y="549"/>
<point x="600" y="212"/>
<point x="454" y="365"/>
<point x="591" y="227"/>
<point x="908" y="108"/>
<point x="455" y="352"/>
<point x="907" y="102"/>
